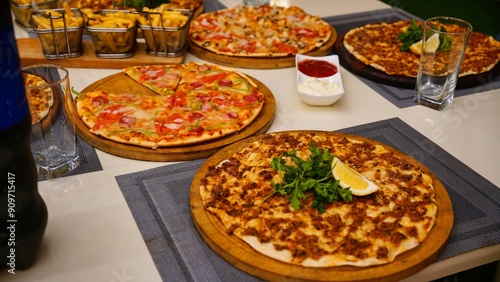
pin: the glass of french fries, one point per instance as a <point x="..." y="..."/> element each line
<point x="165" y="30"/>
<point x="60" y="32"/>
<point x="22" y="10"/>
<point x="113" y="33"/>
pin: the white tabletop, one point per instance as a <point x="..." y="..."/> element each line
<point x="91" y="234"/>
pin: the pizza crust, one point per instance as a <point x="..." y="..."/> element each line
<point x="396" y="219"/>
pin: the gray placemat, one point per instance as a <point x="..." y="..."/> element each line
<point x="159" y="201"/>
<point x="401" y="97"/>
<point x="213" y="5"/>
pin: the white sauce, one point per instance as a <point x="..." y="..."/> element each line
<point x="318" y="87"/>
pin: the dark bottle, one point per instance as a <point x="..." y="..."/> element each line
<point x="23" y="214"/>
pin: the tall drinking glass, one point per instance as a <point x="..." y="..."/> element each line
<point x="53" y="140"/>
<point x="444" y="43"/>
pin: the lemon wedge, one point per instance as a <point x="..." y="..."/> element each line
<point x="416" y="48"/>
<point x="432" y="43"/>
<point x="349" y="178"/>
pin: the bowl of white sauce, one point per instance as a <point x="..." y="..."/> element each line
<point x="318" y="79"/>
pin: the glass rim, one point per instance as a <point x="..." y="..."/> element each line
<point x="451" y="20"/>
<point x="46" y="68"/>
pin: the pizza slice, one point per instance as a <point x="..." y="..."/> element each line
<point x="40" y="100"/>
<point x="162" y="79"/>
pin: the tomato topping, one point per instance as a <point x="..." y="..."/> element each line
<point x="178" y="100"/>
<point x="196" y="84"/>
<point x="232" y="115"/>
<point x="250" y="98"/>
<point x="207" y="22"/>
<point x="221" y="102"/>
<point x="99" y="101"/>
<point x="250" y="47"/>
<point x="169" y="123"/>
<point x="219" y="35"/>
<point x="203" y="68"/>
<point x="285" y="48"/>
<point x="175" y="117"/>
<point x="197" y="130"/>
<point x="109" y="116"/>
<point x="195" y="116"/>
<point x="317" y="68"/>
<point x="213" y="77"/>
<point x="151" y="72"/>
<point x="306" y="32"/>
<point x="225" y="82"/>
<point x="127" y="120"/>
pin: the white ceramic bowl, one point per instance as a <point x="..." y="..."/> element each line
<point x="320" y="100"/>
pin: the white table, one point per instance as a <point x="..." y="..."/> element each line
<point x="92" y="236"/>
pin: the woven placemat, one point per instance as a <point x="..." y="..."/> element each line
<point x="159" y="201"/>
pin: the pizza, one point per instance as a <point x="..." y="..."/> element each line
<point x="378" y="46"/>
<point x="364" y="231"/>
<point x="187" y="104"/>
<point x="40" y="100"/>
<point x="262" y="31"/>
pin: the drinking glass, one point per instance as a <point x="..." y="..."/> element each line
<point x="53" y="139"/>
<point x="440" y="60"/>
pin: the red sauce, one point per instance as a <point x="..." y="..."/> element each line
<point x="317" y="68"/>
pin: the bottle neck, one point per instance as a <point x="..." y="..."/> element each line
<point x="13" y="104"/>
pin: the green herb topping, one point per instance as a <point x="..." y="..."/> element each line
<point x="313" y="175"/>
<point x="413" y="34"/>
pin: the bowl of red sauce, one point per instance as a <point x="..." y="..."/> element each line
<point x="318" y="79"/>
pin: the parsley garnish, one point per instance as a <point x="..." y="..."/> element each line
<point x="311" y="176"/>
<point x="413" y="34"/>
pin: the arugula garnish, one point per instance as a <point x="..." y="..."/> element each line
<point x="413" y="34"/>
<point x="313" y="175"/>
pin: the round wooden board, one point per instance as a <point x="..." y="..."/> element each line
<point x="121" y="83"/>
<point x="348" y="61"/>
<point x="244" y="257"/>
<point x="259" y="62"/>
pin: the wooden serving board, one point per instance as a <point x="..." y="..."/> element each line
<point x="348" y="61"/>
<point x="244" y="257"/>
<point x="259" y="62"/>
<point x="30" y="52"/>
<point x="121" y="83"/>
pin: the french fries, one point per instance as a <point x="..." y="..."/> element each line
<point x="113" y="32"/>
<point x="27" y="2"/>
<point x="60" y="31"/>
<point x="54" y="18"/>
<point x="163" y="17"/>
<point x="165" y="30"/>
<point x="111" y="19"/>
<point x="22" y="9"/>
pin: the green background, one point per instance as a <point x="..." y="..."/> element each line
<point x="484" y="15"/>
